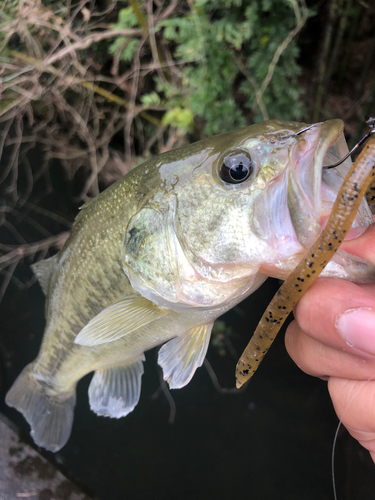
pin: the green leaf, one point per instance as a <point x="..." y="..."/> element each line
<point x="126" y="19"/>
<point x="151" y="99"/>
<point x="180" y="118"/>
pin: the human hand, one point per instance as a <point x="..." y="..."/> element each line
<point x="333" y="337"/>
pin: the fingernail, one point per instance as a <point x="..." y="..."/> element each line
<point x="357" y="328"/>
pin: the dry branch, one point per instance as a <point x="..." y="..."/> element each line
<point x="16" y="253"/>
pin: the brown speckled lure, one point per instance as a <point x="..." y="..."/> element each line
<point x="359" y="181"/>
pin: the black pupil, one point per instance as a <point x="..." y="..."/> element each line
<point x="239" y="171"/>
<point x="236" y="167"/>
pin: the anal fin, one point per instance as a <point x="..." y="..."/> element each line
<point x="114" y="392"/>
<point x="181" y="356"/>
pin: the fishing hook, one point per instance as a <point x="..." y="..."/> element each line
<point x="288" y="136"/>
<point x="370" y="122"/>
<point x="306" y="129"/>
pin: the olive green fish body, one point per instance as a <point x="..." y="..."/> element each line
<point x="167" y="249"/>
<point x="84" y="278"/>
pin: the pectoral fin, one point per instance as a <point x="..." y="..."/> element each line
<point x="181" y="356"/>
<point x="119" y="319"/>
<point x="114" y="392"/>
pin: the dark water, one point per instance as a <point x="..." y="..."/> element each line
<point x="271" y="441"/>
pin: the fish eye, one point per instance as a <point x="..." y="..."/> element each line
<point x="236" y="167"/>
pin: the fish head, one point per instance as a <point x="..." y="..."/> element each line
<point x="228" y="211"/>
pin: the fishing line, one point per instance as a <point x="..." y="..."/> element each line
<point x="333" y="460"/>
<point x="337" y="432"/>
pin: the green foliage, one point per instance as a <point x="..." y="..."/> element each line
<point x="126" y="19"/>
<point x="218" y="39"/>
<point x="125" y="45"/>
<point x="180" y="118"/>
<point x="192" y="69"/>
<point x="151" y="99"/>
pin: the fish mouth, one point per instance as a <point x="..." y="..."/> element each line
<point x="312" y="190"/>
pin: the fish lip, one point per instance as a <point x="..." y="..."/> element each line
<point x="305" y="178"/>
<point x="332" y="179"/>
<point x="330" y="133"/>
<point x="330" y="147"/>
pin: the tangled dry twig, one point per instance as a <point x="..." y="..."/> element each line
<point x="55" y="96"/>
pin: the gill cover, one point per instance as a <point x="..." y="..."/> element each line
<point x="152" y="255"/>
<point x="156" y="262"/>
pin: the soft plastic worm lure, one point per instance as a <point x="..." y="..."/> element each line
<point x="361" y="177"/>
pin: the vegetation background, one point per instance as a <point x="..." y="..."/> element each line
<point x="91" y="88"/>
<point x="100" y="86"/>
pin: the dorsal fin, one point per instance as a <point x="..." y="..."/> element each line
<point x="43" y="270"/>
<point x="84" y="209"/>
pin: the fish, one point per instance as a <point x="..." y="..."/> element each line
<point x="158" y="256"/>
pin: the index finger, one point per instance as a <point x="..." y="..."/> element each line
<point x="319" y="310"/>
<point x="363" y="246"/>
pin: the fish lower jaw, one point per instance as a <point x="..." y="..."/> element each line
<point x="346" y="266"/>
<point x="281" y="270"/>
<point x="343" y="265"/>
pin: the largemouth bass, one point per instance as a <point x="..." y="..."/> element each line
<point x="166" y="250"/>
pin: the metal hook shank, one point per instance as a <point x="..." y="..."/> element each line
<point x="363" y="140"/>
